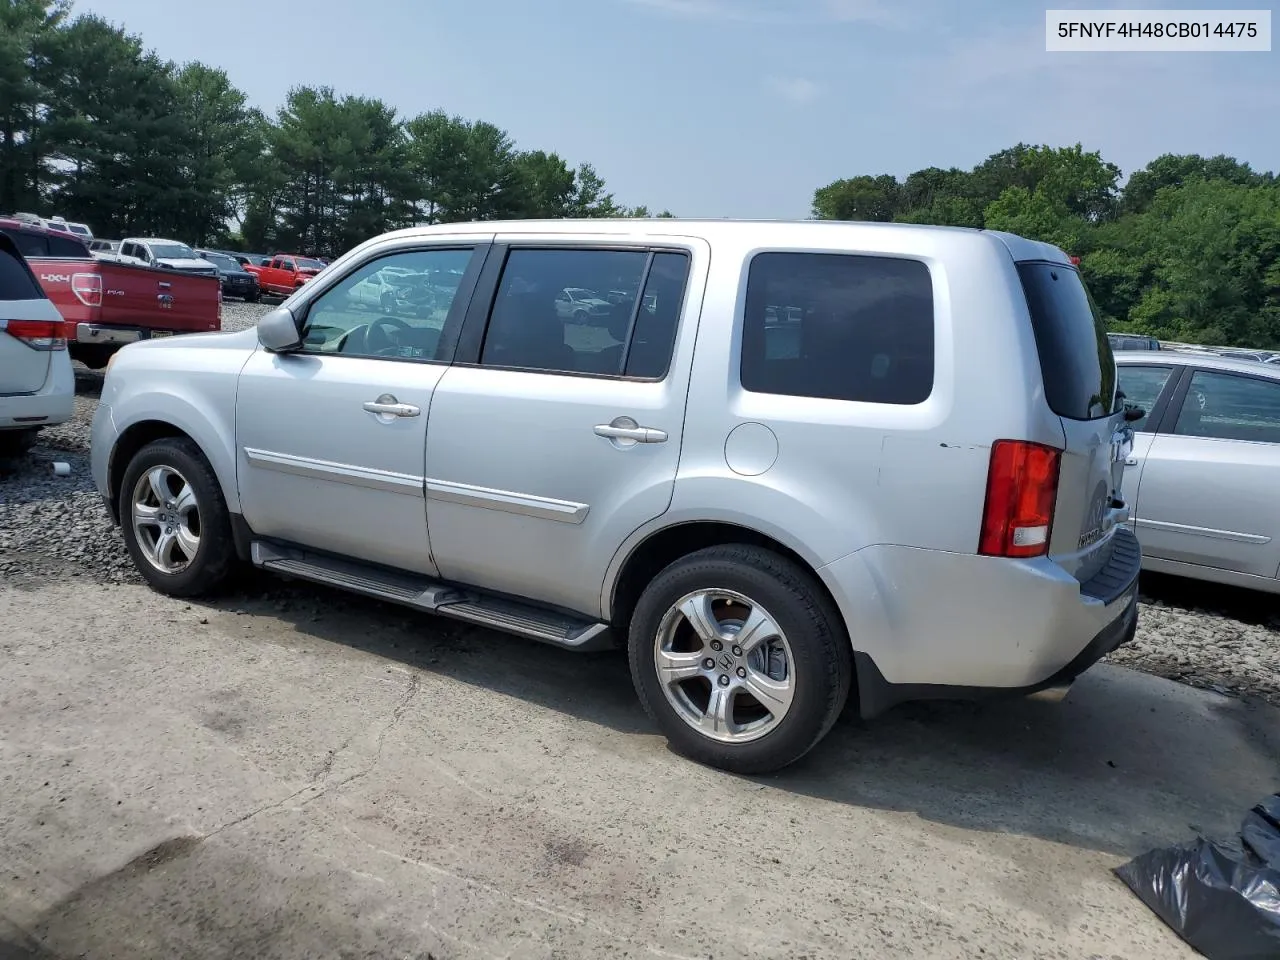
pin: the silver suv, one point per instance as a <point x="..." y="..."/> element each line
<point x="791" y="462"/>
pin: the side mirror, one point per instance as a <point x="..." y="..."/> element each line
<point x="278" y="331"/>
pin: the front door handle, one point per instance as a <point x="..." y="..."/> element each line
<point x="387" y="406"/>
<point x="1131" y="462"/>
<point x="627" y="431"/>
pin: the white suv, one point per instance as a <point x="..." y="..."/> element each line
<point x="795" y="460"/>
<point x="37" y="384"/>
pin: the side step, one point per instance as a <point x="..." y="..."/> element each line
<point x="433" y="596"/>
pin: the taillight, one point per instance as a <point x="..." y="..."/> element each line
<point x="88" y="288"/>
<point x="1022" y="488"/>
<point x="39" y="334"/>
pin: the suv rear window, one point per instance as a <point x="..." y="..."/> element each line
<point x="839" y="327"/>
<point x="1076" y="363"/>
<point x="16" y="280"/>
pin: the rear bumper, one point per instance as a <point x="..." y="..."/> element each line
<point x="927" y="624"/>
<point x="54" y="403"/>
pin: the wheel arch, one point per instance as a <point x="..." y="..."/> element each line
<point x="637" y="564"/>
<point x="144" y="431"/>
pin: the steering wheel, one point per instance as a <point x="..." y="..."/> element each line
<point x="381" y="341"/>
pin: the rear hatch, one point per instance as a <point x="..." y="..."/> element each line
<point x="30" y="326"/>
<point x="1079" y="374"/>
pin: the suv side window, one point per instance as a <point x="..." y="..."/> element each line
<point x="602" y="312"/>
<point x="408" y="326"/>
<point x="1142" y="385"/>
<point x="1225" y="406"/>
<point x="839" y="327"/>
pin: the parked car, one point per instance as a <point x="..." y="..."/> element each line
<point x="1205" y="469"/>
<point x="81" y="230"/>
<point x="236" y="281"/>
<point x="37" y="385"/>
<point x="109" y="247"/>
<point x="579" y="305"/>
<point x="166" y="255"/>
<point x="287" y="272"/>
<point x="1129" y="341"/>
<point x="913" y="491"/>
<point x="107" y="302"/>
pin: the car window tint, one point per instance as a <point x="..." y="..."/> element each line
<point x="1076" y="362"/>
<point x="1142" y="385"/>
<point x="654" y="334"/>
<point x="28" y="244"/>
<point x="564" y="310"/>
<point x="1223" y="406"/>
<point x="374" y="312"/>
<point x="15" y="281"/>
<point x="66" y="248"/>
<point x="839" y="327"/>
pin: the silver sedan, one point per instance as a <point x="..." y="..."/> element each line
<point x="1203" y="480"/>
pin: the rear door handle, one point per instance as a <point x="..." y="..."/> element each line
<point x="387" y="406"/>
<point x="624" y="428"/>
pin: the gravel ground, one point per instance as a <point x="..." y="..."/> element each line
<point x="1216" y="638"/>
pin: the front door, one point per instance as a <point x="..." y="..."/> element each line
<point x="330" y="440"/>
<point x="1208" y="488"/>
<point x="562" y="437"/>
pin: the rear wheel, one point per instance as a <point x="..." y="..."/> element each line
<point x="739" y="658"/>
<point x="175" y="520"/>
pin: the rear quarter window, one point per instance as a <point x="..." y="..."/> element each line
<point x="839" y="327"/>
<point x="1076" y="362"/>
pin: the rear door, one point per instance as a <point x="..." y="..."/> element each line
<point x="1210" y="478"/>
<point x="29" y="325"/>
<point x="1079" y="374"/>
<point x="550" y="441"/>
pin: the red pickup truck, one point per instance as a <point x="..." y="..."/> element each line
<point x="286" y="272"/>
<point x="104" y="304"/>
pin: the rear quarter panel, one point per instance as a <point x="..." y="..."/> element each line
<point x="846" y="474"/>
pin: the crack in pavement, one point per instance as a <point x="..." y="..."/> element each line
<point x="321" y="789"/>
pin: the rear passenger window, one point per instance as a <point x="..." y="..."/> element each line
<point x="839" y="327"/>
<point x="1222" y="406"/>
<point x="602" y="312"/>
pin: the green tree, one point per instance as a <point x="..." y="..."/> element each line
<point x="858" y="198"/>
<point x="27" y="28"/>
<point x="1174" y="170"/>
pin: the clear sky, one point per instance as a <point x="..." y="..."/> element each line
<point x="738" y="107"/>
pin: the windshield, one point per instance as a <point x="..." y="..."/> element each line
<point x="1076" y="362"/>
<point x="221" y="262"/>
<point x="172" y="251"/>
<point x="306" y="263"/>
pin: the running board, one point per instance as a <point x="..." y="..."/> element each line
<point x="433" y="596"/>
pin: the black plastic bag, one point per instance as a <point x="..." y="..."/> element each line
<point x="1221" y="896"/>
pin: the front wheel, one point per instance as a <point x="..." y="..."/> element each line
<point x="175" y="520"/>
<point x="739" y="658"/>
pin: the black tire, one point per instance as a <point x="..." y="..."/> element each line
<point x="17" y="443"/>
<point x="822" y="660"/>
<point x="253" y="297"/>
<point x="216" y="554"/>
